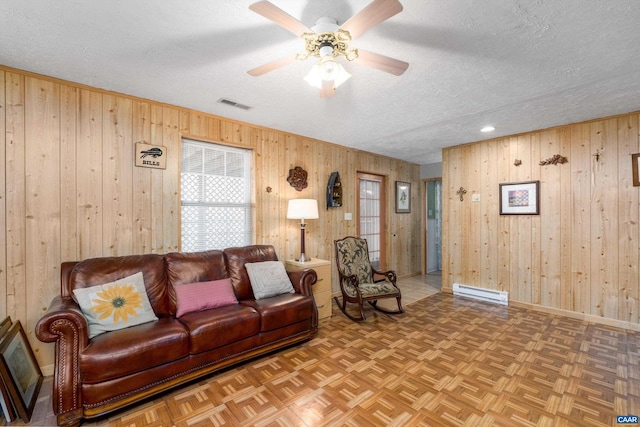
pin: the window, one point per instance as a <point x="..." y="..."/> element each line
<point x="215" y="186"/>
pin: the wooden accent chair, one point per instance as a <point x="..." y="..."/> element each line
<point x="356" y="275"/>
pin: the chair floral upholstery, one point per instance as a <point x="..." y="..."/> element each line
<point x="357" y="278"/>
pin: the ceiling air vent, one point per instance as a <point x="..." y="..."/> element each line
<point x="233" y="104"/>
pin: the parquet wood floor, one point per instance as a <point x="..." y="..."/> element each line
<point x="448" y="361"/>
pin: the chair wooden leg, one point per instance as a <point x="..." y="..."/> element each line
<point x="374" y="304"/>
<point x="343" y="308"/>
<point x="361" y="305"/>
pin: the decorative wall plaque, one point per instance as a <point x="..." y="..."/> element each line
<point x="557" y="159"/>
<point x="297" y="178"/>
<point x="151" y="156"/>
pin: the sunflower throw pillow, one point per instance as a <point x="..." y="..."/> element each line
<point x="115" y="305"/>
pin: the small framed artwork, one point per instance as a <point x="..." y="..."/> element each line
<point x="635" y="165"/>
<point x="403" y="197"/>
<point x="520" y="198"/>
<point x="20" y="371"/>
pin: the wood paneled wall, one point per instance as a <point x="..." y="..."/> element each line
<point x="69" y="189"/>
<point x="581" y="254"/>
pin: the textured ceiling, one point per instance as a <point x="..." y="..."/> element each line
<point x="519" y="65"/>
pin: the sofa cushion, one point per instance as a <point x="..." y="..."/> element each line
<point x="203" y="295"/>
<point x="236" y="258"/>
<point x="96" y="271"/>
<point x="116" y="305"/>
<point x="268" y="279"/>
<point x="220" y="326"/>
<point x="193" y="267"/>
<point x="110" y="355"/>
<point x="282" y="310"/>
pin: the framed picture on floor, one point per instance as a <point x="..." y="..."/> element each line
<point x="7" y="412"/>
<point x="403" y="197"/>
<point x="20" y="371"/>
<point x="520" y="198"/>
<point x="4" y="326"/>
<point x="7" y="409"/>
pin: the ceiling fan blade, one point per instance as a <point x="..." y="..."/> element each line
<point x="270" y="66"/>
<point x="280" y="17"/>
<point x="327" y="90"/>
<point x="374" y="13"/>
<point x="381" y="62"/>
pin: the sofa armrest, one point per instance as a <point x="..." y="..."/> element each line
<point x="303" y="280"/>
<point x="65" y="325"/>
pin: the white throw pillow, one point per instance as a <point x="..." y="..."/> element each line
<point x="115" y="305"/>
<point x="268" y="279"/>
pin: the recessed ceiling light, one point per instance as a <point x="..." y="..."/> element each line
<point x="488" y="129"/>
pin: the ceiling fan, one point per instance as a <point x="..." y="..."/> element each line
<point x="328" y="41"/>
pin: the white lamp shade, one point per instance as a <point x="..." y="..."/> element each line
<point x="314" y="78"/>
<point x="327" y="69"/>
<point x="302" y="209"/>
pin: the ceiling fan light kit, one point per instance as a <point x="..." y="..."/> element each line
<point x="327" y="41"/>
<point x="327" y="70"/>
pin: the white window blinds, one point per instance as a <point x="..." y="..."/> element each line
<point x="216" y="196"/>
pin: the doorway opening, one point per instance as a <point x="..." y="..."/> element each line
<point x="433" y="215"/>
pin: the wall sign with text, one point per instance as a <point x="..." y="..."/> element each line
<point x="151" y="156"/>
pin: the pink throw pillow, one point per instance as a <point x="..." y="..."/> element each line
<point x="203" y="295"/>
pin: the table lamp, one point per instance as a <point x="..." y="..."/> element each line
<point x="302" y="209"/>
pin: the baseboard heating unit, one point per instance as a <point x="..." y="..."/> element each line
<point x="489" y="295"/>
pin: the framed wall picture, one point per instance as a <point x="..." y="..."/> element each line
<point x="520" y="198"/>
<point x="403" y="197"/>
<point x="20" y="371"/>
<point x="635" y="166"/>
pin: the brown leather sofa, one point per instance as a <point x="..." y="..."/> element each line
<point x="95" y="376"/>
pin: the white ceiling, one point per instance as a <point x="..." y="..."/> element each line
<point x="519" y="65"/>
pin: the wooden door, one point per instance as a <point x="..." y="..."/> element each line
<point x="372" y="216"/>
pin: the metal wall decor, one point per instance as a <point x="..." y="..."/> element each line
<point x="597" y="155"/>
<point x="297" y="178"/>
<point x="461" y="192"/>
<point x="557" y="159"/>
